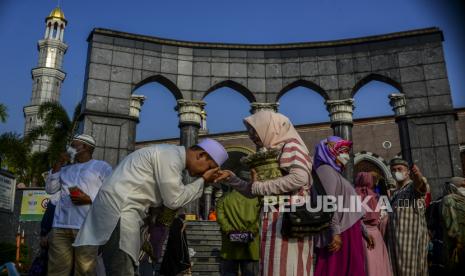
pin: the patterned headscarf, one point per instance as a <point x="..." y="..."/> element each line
<point x="364" y="185"/>
<point x="327" y="151"/>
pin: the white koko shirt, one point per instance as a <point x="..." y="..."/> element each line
<point x="148" y="177"/>
<point x="89" y="177"/>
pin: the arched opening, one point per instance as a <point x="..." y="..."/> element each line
<point x="158" y="118"/>
<point x="55" y="30"/>
<point x="372" y="99"/>
<point x="303" y="107"/>
<point x="225" y="109"/>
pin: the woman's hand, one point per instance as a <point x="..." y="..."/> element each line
<point x="253" y="175"/>
<point x="335" y="244"/>
<point x="370" y="242"/>
<point x="222" y="175"/>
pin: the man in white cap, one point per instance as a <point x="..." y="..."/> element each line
<point x="148" y="177"/>
<point x="76" y="178"/>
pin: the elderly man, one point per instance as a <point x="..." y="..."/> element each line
<point x="407" y="232"/>
<point x="148" y="177"/>
<point x="77" y="185"/>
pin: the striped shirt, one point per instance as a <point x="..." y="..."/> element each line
<point x="407" y="233"/>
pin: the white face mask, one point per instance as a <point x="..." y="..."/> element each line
<point x="399" y="176"/>
<point x="344" y="158"/>
<point x="72" y="153"/>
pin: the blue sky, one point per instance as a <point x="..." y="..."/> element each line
<point x="240" y="21"/>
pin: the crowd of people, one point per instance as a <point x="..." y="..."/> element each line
<point x="93" y="224"/>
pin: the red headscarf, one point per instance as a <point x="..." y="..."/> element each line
<point x="364" y="187"/>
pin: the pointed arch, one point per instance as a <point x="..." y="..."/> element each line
<point x="375" y="77"/>
<point x="244" y="91"/>
<point x="163" y="81"/>
<point x="303" y="83"/>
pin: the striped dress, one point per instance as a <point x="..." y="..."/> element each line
<point x="279" y="255"/>
<point x="407" y="233"/>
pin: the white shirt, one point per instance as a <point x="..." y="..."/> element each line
<point x="89" y="177"/>
<point x="150" y="176"/>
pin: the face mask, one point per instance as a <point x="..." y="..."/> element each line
<point x="461" y="190"/>
<point x="343" y="158"/>
<point x="72" y="153"/>
<point x="399" y="176"/>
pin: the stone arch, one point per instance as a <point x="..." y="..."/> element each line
<point x="375" y="77"/>
<point x="163" y="81"/>
<point x="303" y="83"/>
<point x="244" y="91"/>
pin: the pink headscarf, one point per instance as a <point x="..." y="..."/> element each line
<point x="273" y="128"/>
<point x="276" y="130"/>
<point x="364" y="186"/>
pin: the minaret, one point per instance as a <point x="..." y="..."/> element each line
<point x="48" y="76"/>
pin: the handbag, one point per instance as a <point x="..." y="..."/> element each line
<point x="303" y="223"/>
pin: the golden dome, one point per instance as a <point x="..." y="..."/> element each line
<point x="57" y="13"/>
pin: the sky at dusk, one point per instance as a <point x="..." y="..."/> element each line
<point x="252" y="21"/>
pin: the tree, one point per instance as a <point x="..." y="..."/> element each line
<point x="3" y="113"/>
<point x="57" y="126"/>
<point x="16" y="153"/>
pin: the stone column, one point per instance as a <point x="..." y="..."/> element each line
<point x="207" y="193"/>
<point x="256" y="106"/>
<point x="341" y="112"/>
<point x="398" y="103"/>
<point x="190" y="117"/>
<point x="137" y="101"/>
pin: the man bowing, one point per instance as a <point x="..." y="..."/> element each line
<point x="148" y="177"/>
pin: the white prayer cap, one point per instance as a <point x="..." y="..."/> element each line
<point x="215" y="150"/>
<point x="86" y="139"/>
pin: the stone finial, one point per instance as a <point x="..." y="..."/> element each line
<point x="137" y="101"/>
<point x="340" y="111"/>
<point x="190" y="111"/>
<point x="397" y="101"/>
<point x="256" y="106"/>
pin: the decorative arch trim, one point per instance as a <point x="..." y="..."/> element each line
<point x="244" y="91"/>
<point x="163" y="81"/>
<point x="241" y="149"/>
<point x="376" y="159"/>
<point x="303" y="83"/>
<point x="375" y="77"/>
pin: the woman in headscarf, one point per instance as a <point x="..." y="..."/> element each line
<point x="377" y="258"/>
<point x="339" y="249"/>
<point x="278" y="255"/>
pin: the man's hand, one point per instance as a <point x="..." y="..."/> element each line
<point x="418" y="180"/>
<point x="222" y="175"/>
<point x="80" y="198"/>
<point x="210" y="175"/>
<point x="335" y="244"/>
<point x="62" y="160"/>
